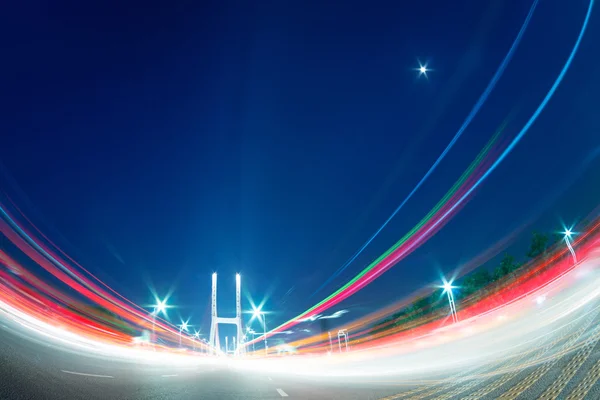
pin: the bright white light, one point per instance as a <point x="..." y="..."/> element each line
<point x="184" y="326"/>
<point x="423" y="70"/>
<point x="197" y="334"/>
<point x="160" y="306"/>
<point x="256" y="313"/>
<point x="568" y="233"/>
<point x="447" y="286"/>
<point x="540" y="300"/>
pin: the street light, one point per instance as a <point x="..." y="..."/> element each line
<point x="257" y="313"/>
<point x="182" y="327"/>
<point x="447" y="286"/>
<point x="568" y="233"/>
<point x="160" y="307"/>
<point x="196" y="337"/>
<point x="251" y="332"/>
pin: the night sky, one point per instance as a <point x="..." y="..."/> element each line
<point x="159" y="143"/>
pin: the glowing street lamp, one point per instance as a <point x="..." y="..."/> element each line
<point x="447" y="286"/>
<point x="257" y="313"/>
<point x="251" y="332"/>
<point x="568" y="233"/>
<point x="160" y="307"/>
<point x="196" y="336"/>
<point x="182" y="327"/>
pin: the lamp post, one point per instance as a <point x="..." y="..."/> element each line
<point x="196" y="337"/>
<point x="159" y="307"/>
<point x="182" y="327"/>
<point x="251" y="332"/>
<point x="568" y="233"/>
<point x="257" y="313"/>
<point x="447" y="286"/>
<point x="153" y="323"/>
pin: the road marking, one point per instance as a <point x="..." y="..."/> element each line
<point x="444" y="385"/>
<point x="519" y="387"/>
<point x="514" y="391"/>
<point x="82" y="374"/>
<point x="568" y="372"/>
<point x="426" y="390"/>
<point x="586" y="384"/>
<point x="169" y="376"/>
<point x="476" y="380"/>
<point x="282" y="393"/>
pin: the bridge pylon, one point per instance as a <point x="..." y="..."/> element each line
<point x="216" y="320"/>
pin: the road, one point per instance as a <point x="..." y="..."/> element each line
<point x="31" y="369"/>
<point x="35" y="370"/>
<point x="546" y="346"/>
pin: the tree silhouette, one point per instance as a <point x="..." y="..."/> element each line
<point x="507" y="265"/>
<point x="539" y="244"/>
<point x="471" y="284"/>
<point x="475" y="281"/>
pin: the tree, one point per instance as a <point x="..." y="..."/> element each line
<point x="539" y="244"/>
<point x="413" y="311"/>
<point x="476" y="281"/>
<point x="507" y="266"/>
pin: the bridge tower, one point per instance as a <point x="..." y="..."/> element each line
<point x="216" y="320"/>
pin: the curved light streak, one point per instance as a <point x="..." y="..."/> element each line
<point x="458" y="134"/>
<point x="374" y="271"/>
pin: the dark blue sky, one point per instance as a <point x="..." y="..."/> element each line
<point x="162" y="143"/>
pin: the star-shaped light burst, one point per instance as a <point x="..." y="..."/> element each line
<point x="160" y="307"/>
<point x="184" y="326"/>
<point x="257" y="313"/>
<point x="568" y="233"/>
<point x="257" y="310"/>
<point x="447" y="286"/>
<point x="423" y="70"/>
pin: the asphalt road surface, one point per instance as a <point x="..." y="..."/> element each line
<point x="35" y="370"/>
<point x="547" y="351"/>
<point x="32" y="369"/>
